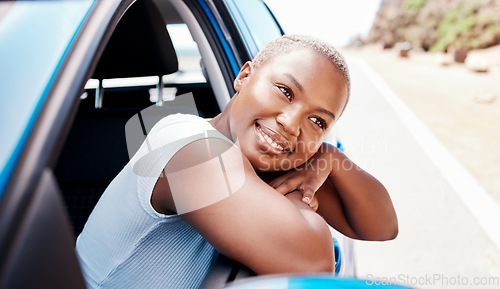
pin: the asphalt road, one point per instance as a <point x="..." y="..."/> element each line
<point x="459" y="106"/>
<point x="443" y="241"/>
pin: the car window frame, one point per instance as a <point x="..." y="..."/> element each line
<point x="257" y="31"/>
<point x="45" y="140"/>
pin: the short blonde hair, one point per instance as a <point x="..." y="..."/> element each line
<point x="289" y="43"/>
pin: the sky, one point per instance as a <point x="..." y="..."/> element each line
<point x="335" y="21"/>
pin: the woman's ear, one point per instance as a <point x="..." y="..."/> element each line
<point x="243" y="75"/>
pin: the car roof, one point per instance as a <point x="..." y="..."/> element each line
<point x="35" y="38"/>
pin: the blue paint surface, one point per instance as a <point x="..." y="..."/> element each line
<point x="223" y="41"/>
<point x="35" y="38"/>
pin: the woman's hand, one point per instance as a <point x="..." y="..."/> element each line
<point x="351" y="200"/>
<point x="307" y="178"/>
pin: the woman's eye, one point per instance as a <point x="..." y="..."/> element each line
<point x="321" y="123"/>
<point x="287" y="92"/>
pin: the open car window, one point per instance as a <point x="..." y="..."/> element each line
<point x="125" y="85"/>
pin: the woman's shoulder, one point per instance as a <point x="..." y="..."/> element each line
<point x="180" y="118"/>
<point x="180" y="125"/>
<point x="185" y="125"/>
<point x="169" y="135"/>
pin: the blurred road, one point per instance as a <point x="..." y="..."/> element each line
<point x="441" y="244"/>
<point x="459" y="106"/>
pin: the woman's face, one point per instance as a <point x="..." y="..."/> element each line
<point x="285" y="108"/>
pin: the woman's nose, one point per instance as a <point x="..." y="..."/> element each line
<point x="289" y="122"/>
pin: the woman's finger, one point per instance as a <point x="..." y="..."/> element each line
<point x="314" y="204"/>
<point x="307" y="195"/>
<point x="288" y="186"/>
<point x="276" y="182"/>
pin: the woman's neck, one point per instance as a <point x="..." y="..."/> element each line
<point x="221" y="121"/>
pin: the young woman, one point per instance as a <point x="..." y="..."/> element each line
<point x="197" y="185"/>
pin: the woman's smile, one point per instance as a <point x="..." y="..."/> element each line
<point x="271" y="142"/>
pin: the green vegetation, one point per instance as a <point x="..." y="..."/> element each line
<point x="455" y="23"/>
<point x="436" y="25"/>
<point x="414" y="4"/>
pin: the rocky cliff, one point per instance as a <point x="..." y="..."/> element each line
<point x="437" y="25"/>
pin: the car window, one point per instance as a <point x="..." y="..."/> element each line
<point x="255" y="22"/>
<point x="98" y="140"/>
<point x="188" y="55"/>
<point x="190" y="68"/>
<point x="30" y="65"/>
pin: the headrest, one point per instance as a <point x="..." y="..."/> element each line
<point x="139" y="46"/>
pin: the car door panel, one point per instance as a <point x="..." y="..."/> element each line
<point x="41" y="253"/>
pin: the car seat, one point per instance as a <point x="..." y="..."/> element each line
<point x="95" y="150"/>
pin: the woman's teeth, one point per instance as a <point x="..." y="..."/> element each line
<point x="270" y="141"/>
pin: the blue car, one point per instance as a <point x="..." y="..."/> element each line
<point x="74" y="75"/>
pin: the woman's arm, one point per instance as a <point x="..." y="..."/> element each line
<point x="354" y="201"/>
<point x="350" y="199"/>
<point x="253" y="223"/>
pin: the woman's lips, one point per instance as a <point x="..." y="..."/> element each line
<point x="269" y="141"/>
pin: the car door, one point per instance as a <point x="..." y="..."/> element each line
<point x="43" y="44"/>
<point x="47" y="51"/>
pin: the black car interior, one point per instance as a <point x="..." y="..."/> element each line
<point x="95" y="150"/>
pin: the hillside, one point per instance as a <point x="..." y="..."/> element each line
<point x="437" y="25"/>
